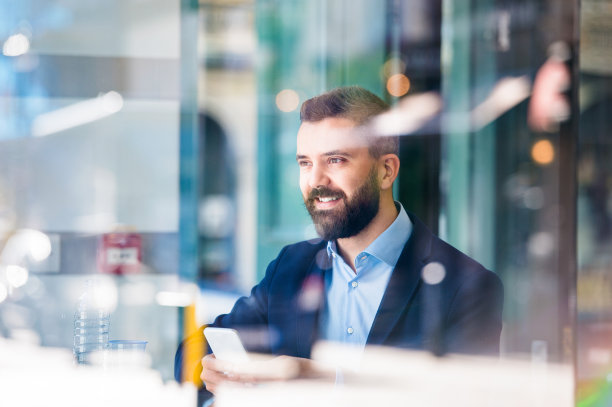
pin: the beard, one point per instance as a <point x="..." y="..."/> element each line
<point x="352" y="217"/>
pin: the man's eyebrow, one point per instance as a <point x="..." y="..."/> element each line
<point x="327" y="154"/>
<point x="338" y="152"/>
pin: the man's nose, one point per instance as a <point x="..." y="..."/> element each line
<point x="318" y="177"/>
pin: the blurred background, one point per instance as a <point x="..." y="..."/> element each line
<point x="151" y="143"/>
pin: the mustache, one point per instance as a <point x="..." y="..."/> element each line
<point x="324" y="191"/>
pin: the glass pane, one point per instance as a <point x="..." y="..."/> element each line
<point x="594" y="210"/>
<point x="476" y="169"/>
<point x="507" y="183"/>
<point x="150" y="145"/>
<point x="90" y="117"/>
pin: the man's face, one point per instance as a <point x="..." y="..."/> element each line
<point x="338" y="177"/>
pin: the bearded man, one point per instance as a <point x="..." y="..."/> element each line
<point x="365" y="281"/>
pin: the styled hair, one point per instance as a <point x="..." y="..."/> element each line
<point x="356" y="104"/>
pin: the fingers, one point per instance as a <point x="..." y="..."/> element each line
<point x="216" y="372"/>
<point x="210" y="376"/>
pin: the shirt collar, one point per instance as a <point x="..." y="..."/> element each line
<point x="389" y="244"/>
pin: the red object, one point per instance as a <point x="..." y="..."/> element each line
<point x="120" y="253"/>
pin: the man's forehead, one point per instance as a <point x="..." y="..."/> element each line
<point x="332" y="134"/>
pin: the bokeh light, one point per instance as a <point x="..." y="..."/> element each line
<point x="392" y="66"/>
<point x="185" y="294"/>
<point x="398" y="85"/>
<point x="3" y="292"/>
<point x="287" y="100"/>
<point x="15" y="45"/>
<point x="16" y="276"/>
<point x="39" y="244"/>
<point x="77" y="114"/>
<point x="543" y="152"/>
<point x="137" y="293"/>
<point x="541" y="244"/>
<point x="173" y="299"/>
<point x="533" y="198"/>
<point x="26" y="242"/>
<point x="112" y="101"/>
<point x="433" y="273"/>
<point x="102" y="289"/>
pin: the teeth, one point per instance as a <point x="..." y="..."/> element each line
<point x="327" y="199"/>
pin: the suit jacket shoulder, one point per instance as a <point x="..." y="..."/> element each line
<point x="439" y="299"/>
<point x="280" y="313"/>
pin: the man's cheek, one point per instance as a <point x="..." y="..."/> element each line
<point x="305" y="191"/>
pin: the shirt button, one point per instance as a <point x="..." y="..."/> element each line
<point x="354" y="284"/>
<point x="350" y="330"/>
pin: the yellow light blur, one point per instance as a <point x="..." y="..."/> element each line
<point x="287" y="100"/>
<point x="398" y="85"/>
<point x="392" y="66"/>
<point x="15" y="45"/>
<point x="194" y="348"/>
<point x="543" y="152"/>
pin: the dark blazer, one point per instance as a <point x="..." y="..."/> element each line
<point x="460" y="314"/>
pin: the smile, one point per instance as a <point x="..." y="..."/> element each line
<point x="328" y="199"/>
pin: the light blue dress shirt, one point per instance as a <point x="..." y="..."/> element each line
<point x="353" y="298"/>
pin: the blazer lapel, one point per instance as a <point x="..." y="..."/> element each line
<point x="310" y="301"/>
<point x="404" y="282"/>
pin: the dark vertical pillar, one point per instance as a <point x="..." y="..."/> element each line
<point x="188" y="177"/>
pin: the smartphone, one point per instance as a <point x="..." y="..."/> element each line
<point x="226" y="344"/>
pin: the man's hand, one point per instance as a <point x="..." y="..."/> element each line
<point x="216" y="372"/>
<point x="259" y="369"/>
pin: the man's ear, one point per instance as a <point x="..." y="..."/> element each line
<point x="389" y="168"/>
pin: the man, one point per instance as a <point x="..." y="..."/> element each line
<point x="377" y="275"/>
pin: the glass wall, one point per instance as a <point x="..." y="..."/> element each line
<point x="479" y="169"/>
<point x="150" y="145"/>
<point x="594" y="210"/>
<point x="91" y="111"/>
<point x="508" y="182"/>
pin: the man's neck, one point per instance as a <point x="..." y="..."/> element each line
<point x="350" y="247"/>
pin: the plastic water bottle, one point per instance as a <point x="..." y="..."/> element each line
<point x="91" y="325"/>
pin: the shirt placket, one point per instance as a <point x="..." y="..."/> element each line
<point x="349" y="330"/>
<point x="352" y="285"/>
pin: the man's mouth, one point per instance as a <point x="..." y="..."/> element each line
<point x="326" y="199"/>
<point x="326" y="202"/>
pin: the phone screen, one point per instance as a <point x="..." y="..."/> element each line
<point x="226" y="344"/>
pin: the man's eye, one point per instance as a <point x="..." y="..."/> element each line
<point x="336" y="160"/>
<point x="303" y="163"/>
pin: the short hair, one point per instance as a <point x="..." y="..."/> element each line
<point x="354" y="103"/>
